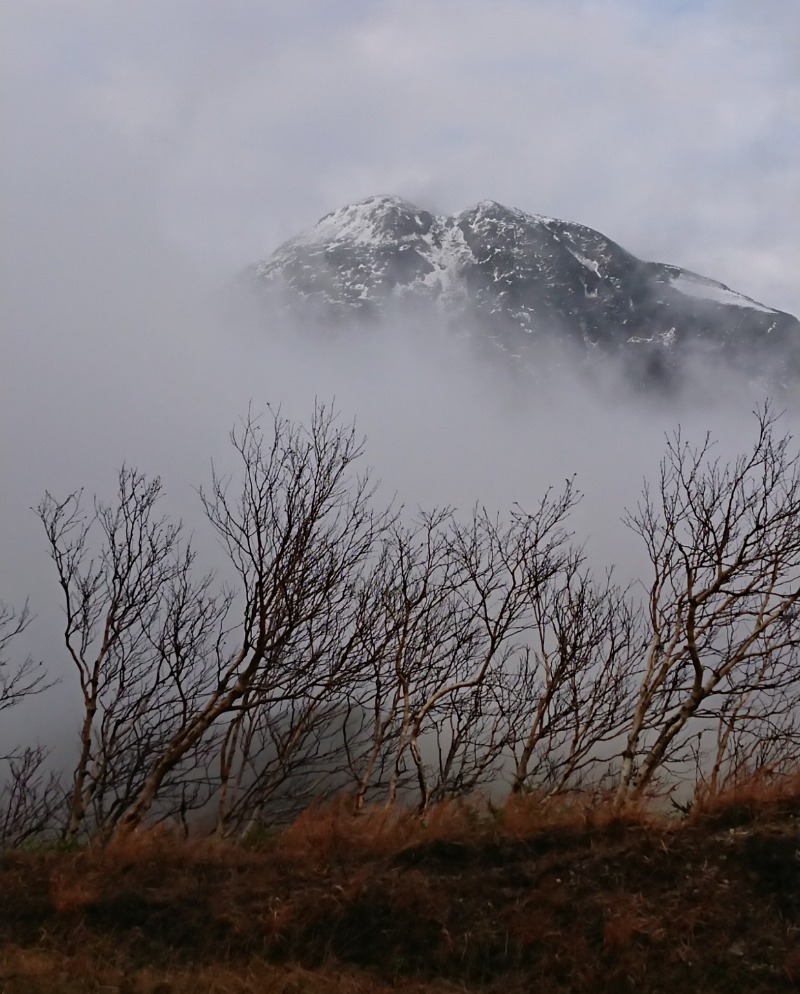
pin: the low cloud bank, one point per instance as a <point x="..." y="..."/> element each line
<point x="129" y="357"/>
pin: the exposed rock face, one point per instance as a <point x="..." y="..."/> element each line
<point x="514" y="280"/>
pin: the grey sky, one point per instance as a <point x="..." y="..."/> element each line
<point x="154" y="147"/>
<point x="672" y="127"/>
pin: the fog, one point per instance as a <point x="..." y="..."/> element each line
<point x="121" y="343"/>
<point x="442" y="425"/>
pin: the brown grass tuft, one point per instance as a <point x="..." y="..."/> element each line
<point x="759" y="798"/>
<point x="326" y="834"/>
<point x="528" y="814"/>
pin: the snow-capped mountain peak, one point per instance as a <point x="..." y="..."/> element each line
<point x="373" y="221"/>
<point x="514" y="278"/>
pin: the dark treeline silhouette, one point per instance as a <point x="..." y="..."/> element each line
<point x="402" y="659"/>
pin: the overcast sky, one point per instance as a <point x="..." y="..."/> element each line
<point x="670" y="126"/>
<point x="154" y="147"/>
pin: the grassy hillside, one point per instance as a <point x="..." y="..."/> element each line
<point x="527" y="898"/>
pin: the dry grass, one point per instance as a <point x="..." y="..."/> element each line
<point x="326" y="833"/>
<point x="761" y="797"/>
<point x="39" y="972"/>
<point x="572" y="895"/>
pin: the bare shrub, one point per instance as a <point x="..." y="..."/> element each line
<point x="724" y="625"/>
<point x="140" y="630"/>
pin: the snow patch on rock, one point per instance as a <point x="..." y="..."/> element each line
<point x="692" y="285"/>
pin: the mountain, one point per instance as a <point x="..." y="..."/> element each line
<point x="514" y="281"/>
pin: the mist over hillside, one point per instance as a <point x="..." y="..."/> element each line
<point x="525" y="290"/>
<point x="142" y="174"/>
<point x="443" y="426"/>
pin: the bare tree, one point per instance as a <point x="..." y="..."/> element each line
<point x="500" y="566"/>
<point x="414" y="656"/>
<point x="30" y="798"/>
<point x="410" y="636"/>
<point x="466" y="744"/>
<point x="298" y="531"/>
<point x="723" y="541"/>
<point x="277" y="757"/>
<point x="28" y="677"/>
<point x="455" y="612"/>
<point x="574" y="683"/>
<point x="754" y="728"/>
<point x="137" y="628"/>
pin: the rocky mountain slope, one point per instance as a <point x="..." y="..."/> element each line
<point x="514" y="281"/>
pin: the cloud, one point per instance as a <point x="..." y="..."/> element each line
<point x="152" y="149"/>
<point x="670" y="127"/>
